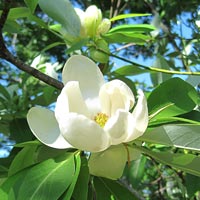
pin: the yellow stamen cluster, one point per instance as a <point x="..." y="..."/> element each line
<point x="101" y="119"/>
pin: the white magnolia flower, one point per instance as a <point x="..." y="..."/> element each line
<point x="92" y="115"/>
<point x="46" y="68"/>
<point x="92" y="23"/>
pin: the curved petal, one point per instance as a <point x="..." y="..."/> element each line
<point x="93" y="17"/>
<point x="138" y="120"/>
<point x="116" y="95"/>
<point x="110" y="163"/>
<point x="84" y="133"/>
<point x="116" y="126"/>
<point x="81" y="15"/>
<point x="44" y="126"/>
<point x="70" y="100"/>
<point x="86" y="72"/>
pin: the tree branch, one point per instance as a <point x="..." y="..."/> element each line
<point x="5" y="54"/>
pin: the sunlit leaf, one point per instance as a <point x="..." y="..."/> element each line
<point x="129" y="70"/>
<point x="124" y="16"/>
<point x="23" y="159"/>
<point x="175" y="95"/>
<point x="133" y="28"/>
<point x="31" y="4"/>
<point x="49" y="179"/>
<point x="120" y="37"/>
<point x="63" y="12"/>
<point x="182" y="136"/>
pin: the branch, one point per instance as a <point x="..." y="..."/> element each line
<point x="5" y="54"/>
<point x="149" y="68"/>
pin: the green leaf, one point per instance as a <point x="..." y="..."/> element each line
<point x="20" y="12"/>
<point x="31" y="4"/>
<point x="4" y="93"/>
<point x="192" y="183"/>
<point x="11" y="27"/>
<point x="63" y="12"/>
<point x="133" y="28"/>
<point x="23" y="159"/>
<point x="120" y="37"/>
<point x="124" y="16"/>
<point x="136" y="171"/>
<point x="186" y="162"/>
<point x="49" y="179"/>
<point x="81" y="188"/>
<point x="20" y="131"/>
<point x="182" y="136"/>
<point x="111" y="190"/>
<point x="67" y="195"/>
<point x="129" y="70"/>
<point x="171" y="98"/>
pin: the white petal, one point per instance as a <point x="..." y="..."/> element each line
<point x="93" y="17"/>
<point x="116" y="95"/>
<point x="116" y="126"/>
<point x="109" y="163"/>
<point x="44" y="126"/>
<point x="138" y="120"/>
<point x="70" y="100"/>
<point x="83" y="133"/>
<point x="86" y="72"/>
<point x="81" y="16"/>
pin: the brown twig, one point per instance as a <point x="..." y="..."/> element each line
<point x="5" y="54"/>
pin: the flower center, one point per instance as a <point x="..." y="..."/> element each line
<point x="101" y="119"/>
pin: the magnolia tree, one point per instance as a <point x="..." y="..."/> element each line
<point x="94" y="133"/>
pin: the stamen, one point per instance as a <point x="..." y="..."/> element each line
<point x="101" y="119"/>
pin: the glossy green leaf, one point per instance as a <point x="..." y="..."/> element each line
<point x="23" y="159"/>
<point x="63" y="12"/>
<point x="171" y="98"/>
<point x="81" y="188"/>
<point x="133" y="28"/>
<point x="49" y="179"/>
<point x="111" y="190"/>
<point x="129" y="70"/>
<point x="20" y="12"/>
<point x="70" y="190"/>
<point x="31" y="4"/>
<point x="186" y="162"/>
<point x="124" y="16"/>
<point x="120" y="37"/>
<point x="182" y="136"/>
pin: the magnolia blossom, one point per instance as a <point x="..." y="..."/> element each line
<point x="46" y="68"/>
<point x="92" y="23"/>
<point x="94" y="116"/>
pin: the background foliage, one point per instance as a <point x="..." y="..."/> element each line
<point x="141" y="56"/>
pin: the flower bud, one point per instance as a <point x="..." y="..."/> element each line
<point x="93" y="18"/>
<point x="104" y="26"/>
